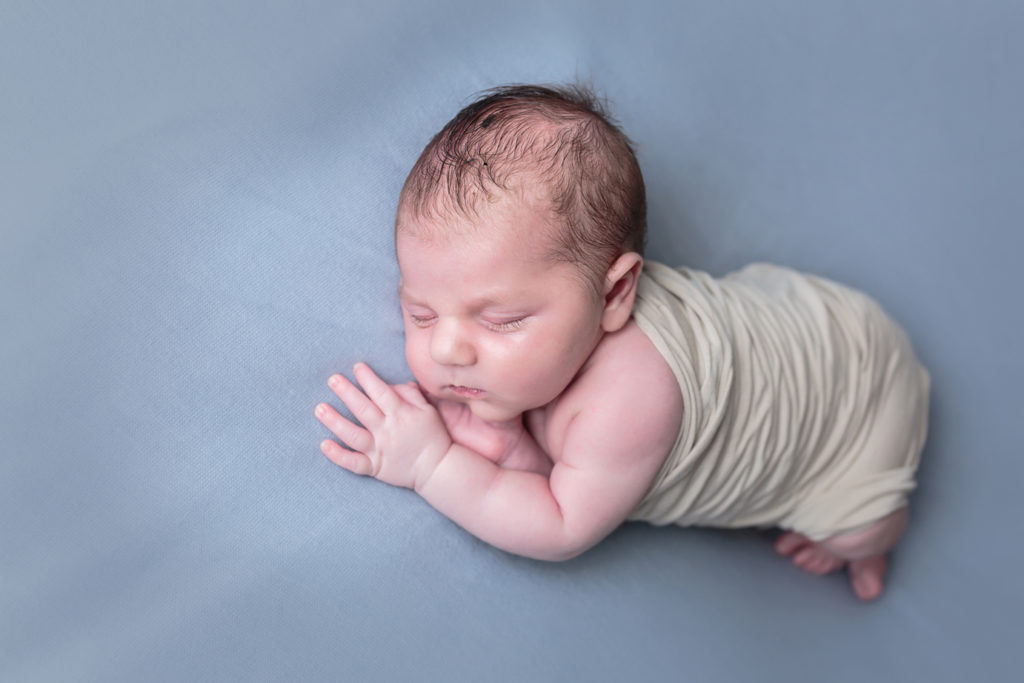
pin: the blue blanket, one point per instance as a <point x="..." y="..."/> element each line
<point x="197" y="201"/>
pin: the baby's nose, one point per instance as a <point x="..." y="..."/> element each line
<point x="450" y="345"/>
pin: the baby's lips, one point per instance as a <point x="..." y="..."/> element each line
<point x="466" y="392"/>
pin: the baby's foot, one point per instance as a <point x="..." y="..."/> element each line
<point x="867" y="576"/>
<point x="807" y="554"/>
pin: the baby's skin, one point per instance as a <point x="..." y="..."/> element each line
<point x="541" y="413"/>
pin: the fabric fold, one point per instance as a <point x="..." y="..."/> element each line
<point x="804" y="405"/>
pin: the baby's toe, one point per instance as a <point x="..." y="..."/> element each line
<point x="867" y="577"/>
<point x="806" y="558"/>
<point x="816" y="560"/>
<point x="819" y="566"/>
<point x="790" y="542"/>
<point x="829" y="564"/>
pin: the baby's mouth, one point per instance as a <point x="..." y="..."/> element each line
<point x="465" y="392"/>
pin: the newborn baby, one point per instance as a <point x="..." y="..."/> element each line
<point x="564" y="386"/>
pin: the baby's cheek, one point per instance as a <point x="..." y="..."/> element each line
<point x="417" y="358"/>
<point x="531" y="386"/>
<point x="550" y="381"/>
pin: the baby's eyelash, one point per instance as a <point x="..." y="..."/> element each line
<point x="503" y="326"/>
<point x="421" y="320"/>
<point x="508" y="325"/>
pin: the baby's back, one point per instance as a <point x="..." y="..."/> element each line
<point x="785" y="379"/>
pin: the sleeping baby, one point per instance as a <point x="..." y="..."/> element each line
<point x="564" y="385"/>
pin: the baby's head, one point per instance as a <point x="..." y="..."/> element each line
<point x="553" y="147"/>
<point x="519" y="235"/>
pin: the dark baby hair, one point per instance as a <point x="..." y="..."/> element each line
<point x="559" y="137"/>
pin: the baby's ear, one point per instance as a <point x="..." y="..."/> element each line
<point x="620" y="290"/>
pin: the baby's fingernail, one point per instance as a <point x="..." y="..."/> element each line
<point x="321" y="409"/>
<point x="334" y="380"/>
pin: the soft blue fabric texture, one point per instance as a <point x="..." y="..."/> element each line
<point x="195" y="230"/>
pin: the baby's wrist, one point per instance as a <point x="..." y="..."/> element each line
<point x="428" y="462"/>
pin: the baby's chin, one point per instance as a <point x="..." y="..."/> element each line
<point x="483" y="408"/>
<point x="493" y="413"/>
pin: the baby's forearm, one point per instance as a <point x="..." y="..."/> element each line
<point x="510" y="509"/>
<point x="526" y="455"/>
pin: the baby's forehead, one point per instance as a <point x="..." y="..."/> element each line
<point x="517" y="214"/>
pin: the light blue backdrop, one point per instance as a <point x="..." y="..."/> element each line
<point x="195" y="231"/>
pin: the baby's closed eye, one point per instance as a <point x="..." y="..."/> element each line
<point x="421" y="320"/>
<point x="506" y="324"/>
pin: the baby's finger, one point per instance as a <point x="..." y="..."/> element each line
<point x="352" y="434"/>
<point x="357" y="402"/>
<point x="350" y="460"/>
<point x="379" y="391"/>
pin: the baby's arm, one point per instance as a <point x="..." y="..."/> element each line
<point x="508" y="444"/>
<point x="547" y="518"/>
<point x="591" y="490"/>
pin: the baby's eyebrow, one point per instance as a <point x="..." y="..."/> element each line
<point x="404" y="296"/>
<point x="478" y="303"/>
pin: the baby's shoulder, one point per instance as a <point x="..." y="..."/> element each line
<point x="629" y="359"/>
<point x="626" y="401"/>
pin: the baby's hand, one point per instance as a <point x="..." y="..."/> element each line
<point x="402" y="439"/>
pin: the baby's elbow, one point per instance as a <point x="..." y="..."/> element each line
<point x="561" y="555"/>
<point x="566" y="549"/>
<point x="576" y="535"/>
<point x="570" y="537"/>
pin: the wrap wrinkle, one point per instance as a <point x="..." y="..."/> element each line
<point x="803" y="403"/>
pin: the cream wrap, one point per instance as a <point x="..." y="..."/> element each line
<point x="804" y="406"/>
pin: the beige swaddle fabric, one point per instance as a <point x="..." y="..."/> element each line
<point x="804" y="406"/>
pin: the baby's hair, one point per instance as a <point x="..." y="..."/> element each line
<point x="559" y="137"/>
